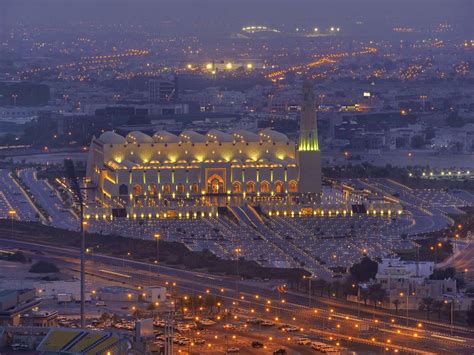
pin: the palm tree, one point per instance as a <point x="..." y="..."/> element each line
<point x="396" y="303"/>
<point x="438" y="307"/>
<point x="377" y="294"/>
<point x="320" y="284"/>
<point x="426" y="305"/>
<point x="336" y="287"/>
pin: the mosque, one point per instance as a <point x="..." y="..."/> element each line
<point x="147" y="175"/>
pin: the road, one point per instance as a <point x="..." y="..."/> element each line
<point x="61" y="217"/>
<point x="16" y="198"/>
<point x="322" y="316"/>
<point x="426" y="219"/>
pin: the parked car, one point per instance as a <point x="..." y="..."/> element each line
<point x="257" y="345"/>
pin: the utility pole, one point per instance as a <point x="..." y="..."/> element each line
<point x="71" y="174"/>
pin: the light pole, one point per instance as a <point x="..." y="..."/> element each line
<point x="14" y="97"/>
<point x="237" y="253"/>
<point x="452" y="313"/>
<point x="71" y="173"/>
<point x="309" y="278"/>
<point x="12" y="214"/>
<point x="358" y="300"/>
<point x="157" y="238"/>
<point x="401" y="295"/>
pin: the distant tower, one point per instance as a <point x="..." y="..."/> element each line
<point x="308" y="155"/>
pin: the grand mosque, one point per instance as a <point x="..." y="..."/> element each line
<point x="149" y="175"/>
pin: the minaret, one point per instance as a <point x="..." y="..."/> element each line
<point x="308" y="155"/>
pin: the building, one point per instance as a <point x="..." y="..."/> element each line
<point x="40" y="319"/>
<point x="15" y="303"/>
<point x="144" y="173"/>
<point x="23" y="94"/>
<point x="407" y="283"/>
<point x="155" y="294"/>
<point x="163" y="89"/>
<point x="411" y="269"/>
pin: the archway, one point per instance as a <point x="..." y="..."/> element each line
<point x="215" y="184"/>
<point x="265" y="187"/>
<point x="236" y="187"/>
<point x="278" y="187"/>
<point x="195" y="188"/>
<point x="137" y="190"/>
<point x="293" y="186"/>
<point x="250" y="187"/>
<point x="152" y="189"/>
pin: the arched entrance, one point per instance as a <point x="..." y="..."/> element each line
<point x="250" y="187"/>
<point x="215" y="185"/>
<point x="278" y="187"/>
<point x="236" y="187"/>
<point x="264" y="187"/>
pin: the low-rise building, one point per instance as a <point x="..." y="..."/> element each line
<point x="14" y="303"/>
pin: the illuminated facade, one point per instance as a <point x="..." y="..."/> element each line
<point x="142" y="171"/>
<point x="308" y="155"/>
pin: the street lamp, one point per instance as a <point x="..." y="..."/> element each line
<point x="451" y="302"/>
<point x="309" y="278"/>
<point x="12" y="214"/>
<point x="157" y="238"/>
<point x="401" y="295"/>
<point x="71" y="173"/>
<point x="237" y="250"/>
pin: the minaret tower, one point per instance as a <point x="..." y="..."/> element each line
<point x="308" y="155"/>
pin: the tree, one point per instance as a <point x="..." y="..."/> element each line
<point x="438" y="307"/>
<point x="396" y="303"/>
<point x="364" y="293"/>
<point x="454" y="120"/>
<point x="417" y="142"/>
<point x="17" y="257"/>
<point x="377" y="294"/>
<point x="335" y="288"/>
<point x="470" y="317"/>
<point x="443" y="274"/>
<point x="349" y="287"/>
<point x="104" y="317"/>
<point x="365" y="270"/>
<point x="426" y="305"/>
<point x="116" y="319"/>
<point x="42" y="267"/>
<point x="320" y="285"/>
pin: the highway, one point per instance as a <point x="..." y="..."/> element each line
<point x="16" y="198"/>
<point x="60" y="215"/>
<point x="324" y="315"/>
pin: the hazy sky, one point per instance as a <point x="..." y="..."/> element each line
<point x="240" y="12"/>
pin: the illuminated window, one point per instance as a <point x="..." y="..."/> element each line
<point x="278" y="187"/>
<point x="293" y="186"/>
<point x="137" y="190"/>
<point x="264" y="187"/>
<point x="195" y="188"/>
<point x="152" y="189"/>
<point x="180" y="188"/>
<point x="236" y="188"/>
<point x="167" y="188"/>
<point x="250" y="187"/>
